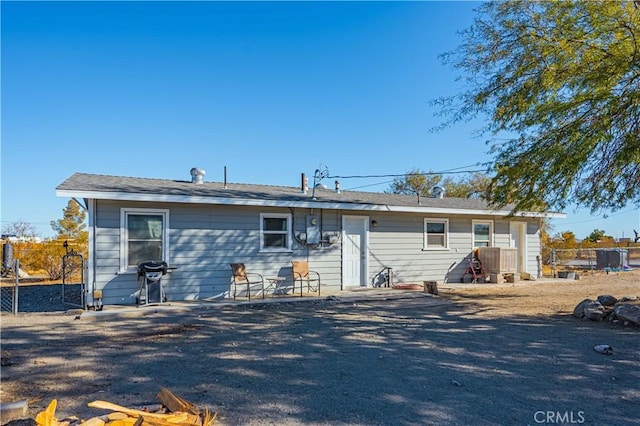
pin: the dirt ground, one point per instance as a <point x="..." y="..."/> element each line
<point x="507" y="354"/>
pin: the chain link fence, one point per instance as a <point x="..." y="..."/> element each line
<point x="9" y="287"/>
<point x="563" y="263"/>
<point x="42" y="277"/>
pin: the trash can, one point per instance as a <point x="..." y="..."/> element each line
<point x="612" y="258"/>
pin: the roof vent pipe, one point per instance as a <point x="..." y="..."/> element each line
<point x="304" y="183"/>
<point x="337" y="187"/>
<point x="438" y="192"/>
<point x="197" y="175"/>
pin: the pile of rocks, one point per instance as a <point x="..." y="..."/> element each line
<point x="606" y="307"/>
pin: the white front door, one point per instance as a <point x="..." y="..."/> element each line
<point x="518" y="240"/>
<point x="354" y="251"/>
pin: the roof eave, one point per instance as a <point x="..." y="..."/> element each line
<point x="124" y="196"/>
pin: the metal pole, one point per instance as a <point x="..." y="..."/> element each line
<point x="85" y="274"/>
<point x="553" y="263"/>
<point x="16" y="273"/>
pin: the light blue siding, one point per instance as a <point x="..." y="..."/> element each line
<point x="204" y="239"/>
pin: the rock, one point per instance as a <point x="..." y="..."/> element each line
<point x="608" y="310"/>
<point x="603" y="349"/>
<point x="589" y="309"/>
<point x="628" y="313"/>
<point x="578" y="312"/>
<point x="594" y="311"/>
<point x="607" y="300"/>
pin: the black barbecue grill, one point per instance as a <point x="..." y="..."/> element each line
<point x="150" y="274"/>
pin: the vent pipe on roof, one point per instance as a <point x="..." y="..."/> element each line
<point x="337" y="187"/>
<point x="304" y="183"/>
<point x="438" y="192"/>
<point x="225" y="177"/>
<point x="197" y="175"/>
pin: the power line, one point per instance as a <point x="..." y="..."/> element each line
<point x="464" y="167"/>
<point x="455" y="170"/>
<point x="406" y="174"/>
<point x="371" y="184"/>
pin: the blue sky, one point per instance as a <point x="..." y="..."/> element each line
<point x="267" y="89"/>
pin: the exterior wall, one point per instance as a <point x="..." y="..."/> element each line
<point x="204" y="239"/>
<point x="534" y="248"/>
<point x="398" y="242"/>
<point x="501" y="233"/>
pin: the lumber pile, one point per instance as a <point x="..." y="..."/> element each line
<point x="171" y="411"/>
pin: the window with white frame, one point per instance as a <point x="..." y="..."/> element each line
<point x="482" y="233"/>
<point x="143" y="236"/>
<point x="275" y="232"/>
<point x="436" y="234"/>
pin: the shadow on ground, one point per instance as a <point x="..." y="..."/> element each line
<point x="379" y="362"/>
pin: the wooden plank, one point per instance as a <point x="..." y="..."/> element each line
<point x="169" y="418"/>
<point x="94" y="421"/>
<point x="175" y="403"/>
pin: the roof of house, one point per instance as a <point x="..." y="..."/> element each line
<point x="93" y="186"/>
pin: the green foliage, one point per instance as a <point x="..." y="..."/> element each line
<point x="561" y="82"/>
<point x="474" y="185"/>
<point x="415" y="182"/>
<point x="421" y="183"/>
<point x="72" y="225"/>
<point x="598" y="235"/>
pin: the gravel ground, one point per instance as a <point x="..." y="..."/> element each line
<point x="461" y="358"/>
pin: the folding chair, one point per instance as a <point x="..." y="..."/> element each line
<point x="240" y="276"/>
<point x="302" y="274"/>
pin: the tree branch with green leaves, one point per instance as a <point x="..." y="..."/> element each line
<point x="561" y="81"/>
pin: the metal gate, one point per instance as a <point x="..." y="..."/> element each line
<point x="73" y="285"/>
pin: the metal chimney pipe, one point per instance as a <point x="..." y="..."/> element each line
<point x="197" y="175"/>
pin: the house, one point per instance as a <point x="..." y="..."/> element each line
<point x="349" y="237"/>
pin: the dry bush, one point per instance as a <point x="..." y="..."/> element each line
<point x="44" y="257"/>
